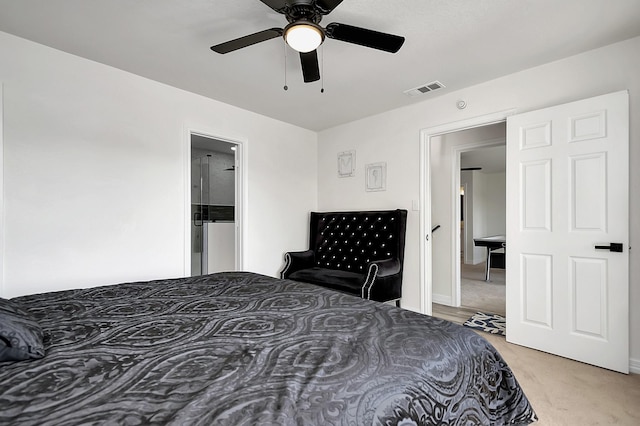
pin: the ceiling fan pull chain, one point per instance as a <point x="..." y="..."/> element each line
<point x="284" y="45"/>
<point x="322" y="66"/>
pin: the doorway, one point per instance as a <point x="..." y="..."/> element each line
<point x="213" y="218"/>
<point x="558" y="276"/>
<point x="468" y="201"/>
<point x="443" y="241"/>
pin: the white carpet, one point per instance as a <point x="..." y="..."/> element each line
<point x="480" y="295"/>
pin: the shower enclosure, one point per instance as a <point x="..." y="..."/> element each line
<point x="212" y="211"/>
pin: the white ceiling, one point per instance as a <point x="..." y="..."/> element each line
<point x="489" y="160"/>
<point x="458" y="42"/>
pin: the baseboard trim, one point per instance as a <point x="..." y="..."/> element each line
<point x="441" y="299"/>
<point x="634" y="366"/>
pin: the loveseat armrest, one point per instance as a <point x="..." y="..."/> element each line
<point x="295" y="261"/>
<point x="387" y="267"/>
<point x="384" y="280"/>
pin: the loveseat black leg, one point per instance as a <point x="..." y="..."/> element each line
<point x="398" y="303"/>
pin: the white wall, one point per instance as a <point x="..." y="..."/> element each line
<point x="466" y="181"/>
<point x="95" y="181"/>
<point x="486" y="206"/>
<point x="441" y="214"/>
<point x="480" y="214"/>
<point x="394" y="137"/>
<point x="495" y="202"/>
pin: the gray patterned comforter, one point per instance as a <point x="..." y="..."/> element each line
<point x="246" y="349"/>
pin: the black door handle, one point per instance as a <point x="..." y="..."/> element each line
<point x="615" y="247"/>
<point x="197" y="219"/>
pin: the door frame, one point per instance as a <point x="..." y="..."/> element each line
<point x="240" y="217"/>
<point x="426" y="282"/>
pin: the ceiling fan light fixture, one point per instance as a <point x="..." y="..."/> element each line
<point x="303" y="36"/>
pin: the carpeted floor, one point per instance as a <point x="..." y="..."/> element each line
<point x="481" y="295"/>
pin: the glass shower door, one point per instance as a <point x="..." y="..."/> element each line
<point x="200" y="201"/>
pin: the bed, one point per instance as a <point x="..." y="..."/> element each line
<point x="244" y="349"/>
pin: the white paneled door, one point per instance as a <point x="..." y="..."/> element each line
<point x="567" y="268"/>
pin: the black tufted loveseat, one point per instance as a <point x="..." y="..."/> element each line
<point x="355" y="252"/>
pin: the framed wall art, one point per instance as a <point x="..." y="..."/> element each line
<point x="376" y="177"/>
<point x="346" y="164"/>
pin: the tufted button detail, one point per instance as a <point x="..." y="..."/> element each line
<point x="346" y="240"/>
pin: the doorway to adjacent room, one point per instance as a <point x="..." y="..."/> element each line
<point x="467" y="202"/>
<point x="214" y="205"/>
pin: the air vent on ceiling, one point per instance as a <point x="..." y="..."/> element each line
<point x="425" y="88"/>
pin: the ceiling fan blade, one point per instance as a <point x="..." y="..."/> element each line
<point x="310" y="69"/>
<point x="239" y="43"/>
<point x="326" y="6"/>
<point x="364" y="37"/>
<point x="277" y="5"/>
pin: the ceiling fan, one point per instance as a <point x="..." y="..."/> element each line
<point x="305" y="35"/>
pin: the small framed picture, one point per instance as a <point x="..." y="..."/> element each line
<point x="376" y="179"/>
<point x="346" y="164"/>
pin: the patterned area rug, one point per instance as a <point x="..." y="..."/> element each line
<point x="491" y="323"/>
